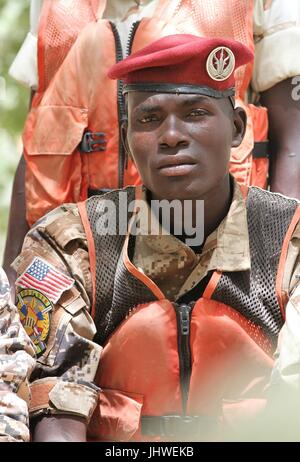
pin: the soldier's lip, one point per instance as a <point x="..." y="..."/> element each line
<point x="173" y="160"/>
<point x="176" y="170"/>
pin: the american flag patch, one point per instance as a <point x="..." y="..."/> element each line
<point x="40" y="275"/>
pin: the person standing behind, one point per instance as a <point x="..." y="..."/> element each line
<point x="26" y="69"/>
<point x="16" y="363"/>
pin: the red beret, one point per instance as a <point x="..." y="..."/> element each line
<point x="184" y="63"/>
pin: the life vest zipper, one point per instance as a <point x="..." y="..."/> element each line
<point x="183" y="312"/>
<point x="120" y="97"/>
<point x="131" y="35"/>
<point x="120" y="103"/>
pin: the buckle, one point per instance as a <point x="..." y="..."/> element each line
<point x="177" y="426"/>
<point x="93" y="142"/>
<point x="97" y="192"/>
<point x="260" y="149"/>
<point x="172" y="426"/>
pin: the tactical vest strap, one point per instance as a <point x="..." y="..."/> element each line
<point x="93" y="142"/>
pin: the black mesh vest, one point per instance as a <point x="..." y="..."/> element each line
<point x="252" y="293"/>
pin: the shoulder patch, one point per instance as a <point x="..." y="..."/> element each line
<point x="35" y="311"/>
<point x="45" y="278"/>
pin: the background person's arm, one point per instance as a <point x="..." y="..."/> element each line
<point x="284" y="136"/>
<point x="276" y="30"/>
<point x="17" y="225"/>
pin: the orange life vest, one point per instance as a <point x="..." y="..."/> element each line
<point x="81" y="102"/>
<point x="60" y="23"/>
<point x="142" y="365"/>
<point x="172" y="371"/>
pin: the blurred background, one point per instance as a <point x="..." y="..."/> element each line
<point x="14" y="100"/>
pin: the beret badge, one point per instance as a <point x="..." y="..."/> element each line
<point x="220" y="63"/>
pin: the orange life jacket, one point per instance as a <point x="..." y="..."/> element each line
<point x="60" y="23"/>
<point x="80" y="107"/>
<point x="172" y="371"/>
<point x="142" y="369"/>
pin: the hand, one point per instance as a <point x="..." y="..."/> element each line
<point x="60" y="428"/>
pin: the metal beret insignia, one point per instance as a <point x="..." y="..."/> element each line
<point x="34" y="310"/>
<point x="220" y="63"/>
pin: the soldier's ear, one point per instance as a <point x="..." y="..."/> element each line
<point x="239" y="126"/>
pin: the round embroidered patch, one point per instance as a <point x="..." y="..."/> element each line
<point x="34" y="309"/>
<point x="220" y="63"/>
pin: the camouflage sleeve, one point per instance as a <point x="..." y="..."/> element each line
<point x="286" y="371"/>
<point x="16" y="364"/>
<point x="287" y="364"/>
<point x="291" y="274"/>
<point x="54" y="293"/>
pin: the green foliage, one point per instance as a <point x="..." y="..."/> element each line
<point x="14" y="25"/>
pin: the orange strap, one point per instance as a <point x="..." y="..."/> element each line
<point x="212" y="284"/>
<point x="139" y="275"/>
<point x="91" y="247"/>
<point x="244" y="190"/>
<point x="130" y="266"/>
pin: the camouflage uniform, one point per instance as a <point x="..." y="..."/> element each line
<point x="71" y="358"/>
<point x="164" y="256"/>
<point x="66" y="370"/>
<point x="16" y="364"/>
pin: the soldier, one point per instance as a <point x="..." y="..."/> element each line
<point x="188" y="328"/>
<point x="16" y="364"/>
<point x="71" y="168"/>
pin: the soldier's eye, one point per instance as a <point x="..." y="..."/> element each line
<point x="197" y="113"/>
<point x="148" y="119"/>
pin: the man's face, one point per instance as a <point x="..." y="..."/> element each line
<point x="181" y="143"/>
